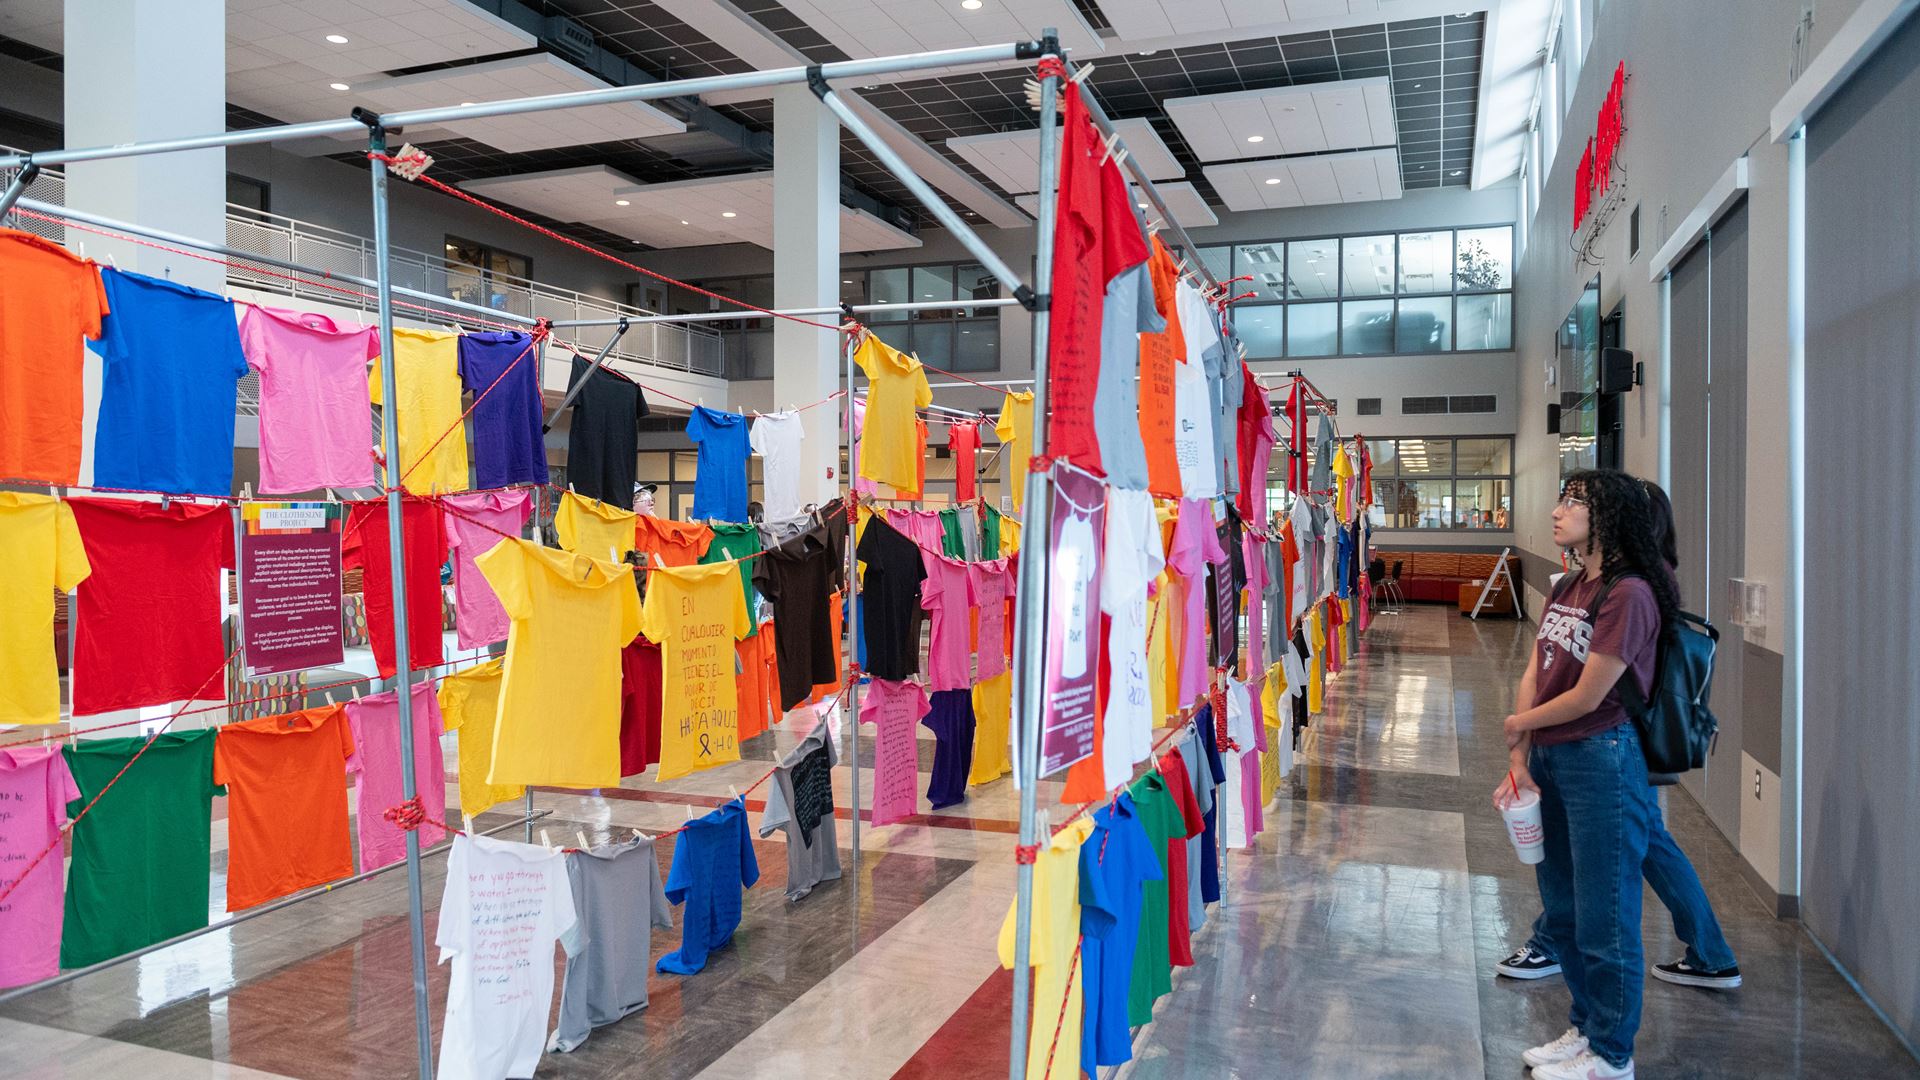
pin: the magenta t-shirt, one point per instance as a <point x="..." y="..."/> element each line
<point x="948" y="594"/>
<point x="1195" y="544"/>
<point x="376" y="760"/>
<point x="992" y="588"/>
<point x="1627" y="626"/>
<point x="923" y="527"/>
<point x="316" y="421"/>
<point x="474" y="524"/>
<point x="35" y="788"/>
<point x="894" y="709"/>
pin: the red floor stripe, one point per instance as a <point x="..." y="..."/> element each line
<point x="974" y="1042"/>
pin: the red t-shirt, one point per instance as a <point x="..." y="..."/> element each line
<point x="423" y="534"/>
<point x="147" y="627"/>
<point x="963" y="439"/>
<point x="1173" y="769"/>
<point x="1246" y="439"/>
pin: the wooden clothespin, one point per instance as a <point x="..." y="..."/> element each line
<point x="468" y="818"/>
<point x="1080" y="76"/>
<point x="329" y="697"/>
<point x="246" y="491"/>
<point x="734" y="790"/>
<point x="581" y="836"/>
<point x="638" y="835"/>
<point x="545" y="841"/>
<point x="689" y="811"/>
<point x="357" y="691"/>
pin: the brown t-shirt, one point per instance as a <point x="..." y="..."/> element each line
<point x="1627" y="626"/>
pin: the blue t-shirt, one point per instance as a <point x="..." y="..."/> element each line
<point x="172" y="358"/>
<point x="712" y="861"/>
<point x="1116" y="862"/>
<point x="720" y="484"/>
<point x="508" y="446"/>
<point x="1343" y="563"/>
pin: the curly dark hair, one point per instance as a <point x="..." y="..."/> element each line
<point x="1633" y="534"/>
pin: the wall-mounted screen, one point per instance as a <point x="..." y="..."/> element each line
<point x="1577" y="358"/>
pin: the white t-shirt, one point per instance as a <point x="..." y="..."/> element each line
<point x="776" y="438"/>
<point x="1073" y="570"/>
<point x="1133" y="560"/>
<point x="1305" y="544"/>
<point x="504" y="906"/>
<point x="1193" y="442"/>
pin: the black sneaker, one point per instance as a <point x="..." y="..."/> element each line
<point x="1681" y="973"/>
<point x="1528" y="963"/>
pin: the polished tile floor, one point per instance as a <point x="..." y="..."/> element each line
<point x="1356" y="938"/>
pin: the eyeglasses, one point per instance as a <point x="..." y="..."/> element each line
<point x="1568" y="502"/>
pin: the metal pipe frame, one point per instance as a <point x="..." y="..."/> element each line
<point x="853" y="601"/>
<point x="573" y="391"/>
<point x="718" y="316"/>
<point x="18" y="187"/>
<point x="672" y="88"/>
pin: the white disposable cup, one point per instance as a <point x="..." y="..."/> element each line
<point x="1522" y="814"/>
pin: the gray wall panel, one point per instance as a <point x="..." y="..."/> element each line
<point x="1727" y="505"/>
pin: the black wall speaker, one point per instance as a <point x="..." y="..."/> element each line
<point x="1616" y="371"/>
<point x="1553" y="419"/>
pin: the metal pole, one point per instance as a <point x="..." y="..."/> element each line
<point x="1031" y="601"/>
<point x="853" y="597"/>
<point x="28" y="170"/>
<point x="396" y="556"/>
<point x="573" y="391"/>
<point x="718" y="316"/>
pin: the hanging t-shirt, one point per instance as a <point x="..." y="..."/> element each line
<point x="1124" y="862"/>
<point x="423" y="535"/>
<point x="1128" y="312"/>
<point x="597" y="529"/>
<point x="379" y="765"/>
<point x="501" y="369"/>
<point x="950" y="718"/>
<point x="895" y="710"/>
<point x="469" y="704"/>
<point x="1255" y="436"/>
<point x="571" y="616"/>
<point x="53" y="299"/>
<point x="1254" y="559"/>
<point x="1182" y="887"/>
<point x="1063" y="878"/>
<point x="720" y="479"/>
<point x="1132" y="560"/>
<point x="1194" y="443"/>
<point x="890" y="453"/>
<point x="798" y="578"/>
<point x="1014" y="428"/>
<point x="948" y="596"/>
<point x="35" y="788"/>
<point x="427" y="381"/>
<point x="663" y="541"/>
<point x="993" y="587"/>
<point x="963" y="438"/>
<point x="286" y="781"/>
<point x="1225" y="580"/>
<point x="640" y="704"/>
<point x="474" y="523"/>
<point x="696" y="613"/>
<point x="800" y="802"/>
<point x="1342" y="469"/>
<point x="890" y="591"/>
<point x="777" y="438"/>
<point x="504" y="908"/>
<point x="152" y="567"/>
<point x="1224" y="394"/>
<point x="1160" y="354"/>
<point x="41" y="551"/>
<point x="150" y="837"/>
<point x="712" y="861"/>
<point x="1168" y="814"/>
<point x="171" y="365"/>
<point x="603" y="433"/>
<point x="315" y="414"/>
<point x="992" y="729"/>
<point x="960" y="533"/>
<point x="733" y="542"/>
<point x="618" y="901"/>
<point x="1195" y="545"/>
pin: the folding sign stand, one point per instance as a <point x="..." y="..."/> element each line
<point x="1500" y="574"/>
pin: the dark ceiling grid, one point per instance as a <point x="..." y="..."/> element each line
<point x="645" y="34"/>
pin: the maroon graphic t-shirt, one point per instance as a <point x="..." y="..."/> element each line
<point x="1627" y="626"/>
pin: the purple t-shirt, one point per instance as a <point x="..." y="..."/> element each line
<point x="1627" y="626"/>
<point x="508" y="446"/>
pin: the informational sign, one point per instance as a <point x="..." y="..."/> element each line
<point x="1079" y="519"/>
<point x="290" y="586"/>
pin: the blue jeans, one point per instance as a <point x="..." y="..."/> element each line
<point x="1598" y="814"/>
<point x="1678" y="887"/>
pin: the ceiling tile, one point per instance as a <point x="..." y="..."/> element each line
<point x="1356" y="176"/>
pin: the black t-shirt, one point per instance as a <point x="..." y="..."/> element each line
<point x="890" y="588"/>
<point x="798" y="578"/>
<point x="604" y="443"/>
<point x="1224" y="584"/>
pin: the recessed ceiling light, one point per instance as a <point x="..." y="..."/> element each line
<point x="1142" y="206"/>
<point x="1416" y="86"/>
<point x="683" y="223"/>
<point x="622" y="202"/>
<point x="846" y="281"/>
<point x="1273" y="179"/>
<point x="728" y="213"/>
<point x="1291" y="108"/>
<point x="340" y="86"/>
<point x="1148" y="52"/>
<point x="337" y="39"/>
<point x="1256" y="138"/>
<point x="971" y="5"/>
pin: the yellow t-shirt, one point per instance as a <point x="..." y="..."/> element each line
<point x="428" y="382"/>
<point x="1009" y="537"/>
<point x="1055" y="933"/>
<point x="1317" y="670"/>
<point x="594" y="528"/>
<point x="696" y="613"/>
<point x="891" y="449"/>
<point x="1014" y="426"/>
<point x="1272" y="687"/>
<point x="559" y="716"/>
<point x="40" y="551"/>
<point x="469" y="703"/>
<point x="1163" y="681"/>
<point x="992" y="721"/>
<point x="1342" y="489"/>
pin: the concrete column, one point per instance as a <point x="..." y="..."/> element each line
<point x="136" y="71"/>
<point x="806" y="273"/>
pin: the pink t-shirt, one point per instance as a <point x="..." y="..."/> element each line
<point x="992" y="584"/>
<point x="948" y="594"/>
<point x="478" y="618"/>
<point x="376" y="760"/>
<point x="316" y="422"/>
<point x="35" y="788"/>
<point x="894" y="709"/>
<point x="1196" y="543"/>
<point x="1256" y="561"/>
<point x="923" y="527"/>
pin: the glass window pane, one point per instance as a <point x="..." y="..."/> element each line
<point x="1484" y="457"/>
<point x="977" y="347"/>
<point x="1219" y="260"/>
<point x="1259" y="329"/>
<point x="1366" y="327"/>
<point x="1385" y="460"/>
<point x="1426" y="262"/>
<point x="1423" y="325"/>
<point x="1366" y="266"/>
<point x="1486" y="321"/>
<point x="933" y="344"/>
<point x="888" y="287"/>
<point x="1311" y="329"/>
<point x="932" y="283"/>
<point x="1483" y="258"/>
<point x="1267" y="264"/>
<point x="1313" y="268"/>
<point x="853" y="288"/>
<point x="1416" y="504"/>
<point x="972" y="282"/>
<point x="1483" y="504"/>
<point x="895" y="335"/>
<point x="1426" y="457"/>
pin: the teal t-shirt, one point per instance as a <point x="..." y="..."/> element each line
<point x="736" y="541"/>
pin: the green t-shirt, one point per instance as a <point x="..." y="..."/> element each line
<point x="731" y="541"/>
<point x="141" y="856"/>
<point x="990" y="533"/>
<point x="952" y="543"/>
<point x="1160" y="815"/>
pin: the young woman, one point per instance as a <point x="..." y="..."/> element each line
<point x="1578" y="749"/>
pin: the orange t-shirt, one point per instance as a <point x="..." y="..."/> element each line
<point x="286" y="780"/>
<point x="1158" y="353"/>
<point x="52" y="299"/>
<point x="678" y="543"/>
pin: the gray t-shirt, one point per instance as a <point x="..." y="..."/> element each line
<point x="1129" y="312"/>
<point x="1193" y="752"/>
<point x="617" y="898"/>
<point x="800" y="800"/>
<point x="1225" y="389"/>
<point x="1322" y="477"/>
